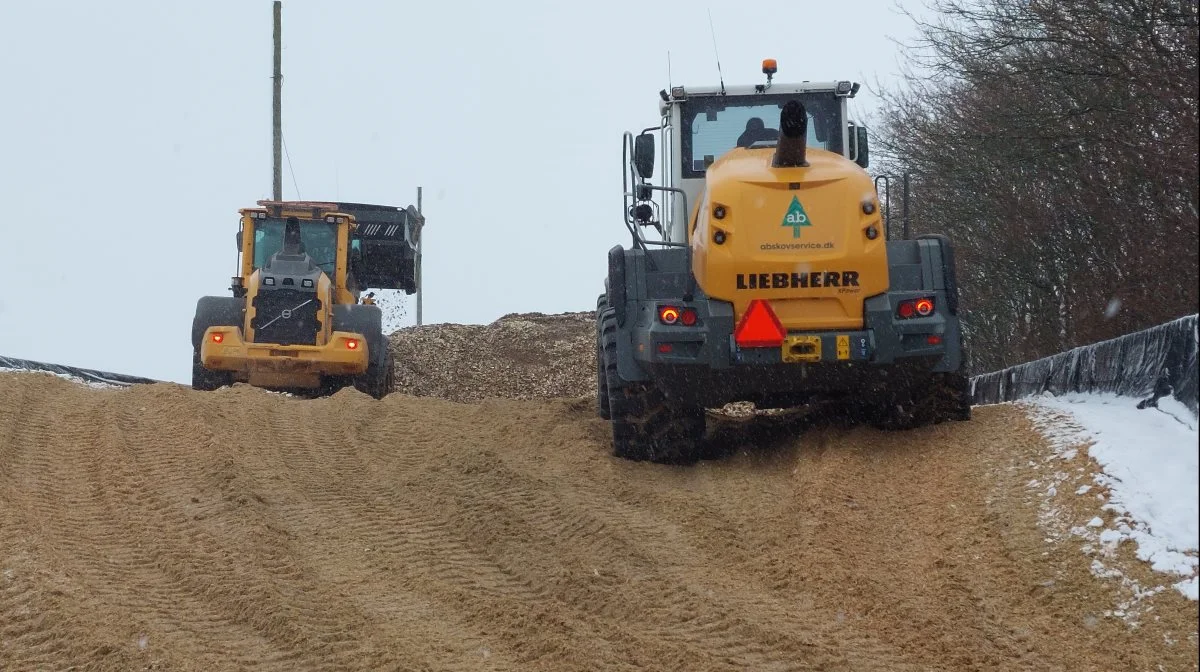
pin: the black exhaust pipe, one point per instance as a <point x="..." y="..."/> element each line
<point x="793" y="136"/>
<point x="292" y="244"/>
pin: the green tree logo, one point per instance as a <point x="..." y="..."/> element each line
<point x="796" y="217"/>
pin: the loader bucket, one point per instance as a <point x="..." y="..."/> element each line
<point x="387" y="237"/>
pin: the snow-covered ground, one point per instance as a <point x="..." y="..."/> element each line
<point x="1150" y="466"/>
<point x="94" y="384"/>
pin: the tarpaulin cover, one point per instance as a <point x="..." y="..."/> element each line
<point x="1134" y="365"/>
<point x="85" y="374"/>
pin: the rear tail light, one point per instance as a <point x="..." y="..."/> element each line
<point x="922" y="307"/>
<point x="351" y="344"/>
<point x="673" y="315"/>
<point x="218" y="337"/>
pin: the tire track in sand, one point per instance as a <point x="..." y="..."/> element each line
<point x="244" y="530"/>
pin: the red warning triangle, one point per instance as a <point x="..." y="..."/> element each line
<point x="759" y="327"/>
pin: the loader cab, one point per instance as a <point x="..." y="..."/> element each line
<point x="359" y="246"/>
<point x="700" y="124"/>
<point x="324" y="235"/>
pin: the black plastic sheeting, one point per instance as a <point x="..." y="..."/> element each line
<point x="84" y="374"/>
<point x="1146" y="364"/>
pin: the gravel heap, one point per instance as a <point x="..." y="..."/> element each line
<point x="519" y="356"/>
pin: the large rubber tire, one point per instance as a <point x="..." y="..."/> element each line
<point x="601" y="378"/>
<point x="206" y="379"/>
<point x="957" y="397"/>
<point x="216" y="311"/>
<point x="945" y="396"/>
<point x="379" y="378"/>
<point x="213" y="311"/>
<point x="644" y="425"/>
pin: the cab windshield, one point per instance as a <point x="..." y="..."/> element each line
<point x="713" y="125"/>
<point x="319" y="240"/>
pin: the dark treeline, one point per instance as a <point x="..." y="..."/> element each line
<point x="1055" y="142"/>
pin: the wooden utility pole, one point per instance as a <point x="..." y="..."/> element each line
<point x="276" y="108"/>
<point x="420" y="281"/>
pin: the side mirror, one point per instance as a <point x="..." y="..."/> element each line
<point x="239" y="242"/>
<point x="643" y="155"/>
<point x="864" y="155"/>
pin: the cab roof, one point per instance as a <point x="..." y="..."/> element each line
<point x="363" y="213"/>
<point x="775" y="88"/>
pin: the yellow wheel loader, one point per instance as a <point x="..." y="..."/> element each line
<point x="761" y="271"/>
<point x="297" y="319"/>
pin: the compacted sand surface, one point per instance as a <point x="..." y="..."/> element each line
<point x="156" y="527"/>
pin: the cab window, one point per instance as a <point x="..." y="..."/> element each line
<point x="714" y="125"/>
<point x="319" y="240"/>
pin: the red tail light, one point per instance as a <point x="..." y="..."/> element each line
<point x="351" y="344"/>
<point x="673" y="315"/>
<point x="218" y="337"/>
<point x="922" y="307"/>
<point x="759" y="327"/>
<point x="933" y="339"/>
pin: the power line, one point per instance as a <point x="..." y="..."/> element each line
<point x="290" y="169"/>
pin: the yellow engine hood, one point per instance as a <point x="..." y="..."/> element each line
<point x="794" y="236"/>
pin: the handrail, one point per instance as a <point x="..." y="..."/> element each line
<point x="639" y="184"/>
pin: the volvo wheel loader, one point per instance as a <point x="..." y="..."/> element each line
<point x="297" y="319"/>
<point x="760" y="270"/>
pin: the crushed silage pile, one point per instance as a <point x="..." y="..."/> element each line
<point x="519" y="356"/>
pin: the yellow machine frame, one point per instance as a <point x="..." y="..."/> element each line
<point x="270" y="365"/>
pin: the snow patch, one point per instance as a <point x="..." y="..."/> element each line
<point x="1150" y="466"/>
<point x="1190" y="588"/>
<point x="96" y="385"/>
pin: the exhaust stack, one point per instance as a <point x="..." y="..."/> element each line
<point x="793" y="136"/>
<point x="292" y="244"/>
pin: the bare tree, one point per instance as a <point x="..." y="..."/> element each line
<point x="1056" y="143"/>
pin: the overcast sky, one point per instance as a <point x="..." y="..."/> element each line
<point x="132" y="131"/>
